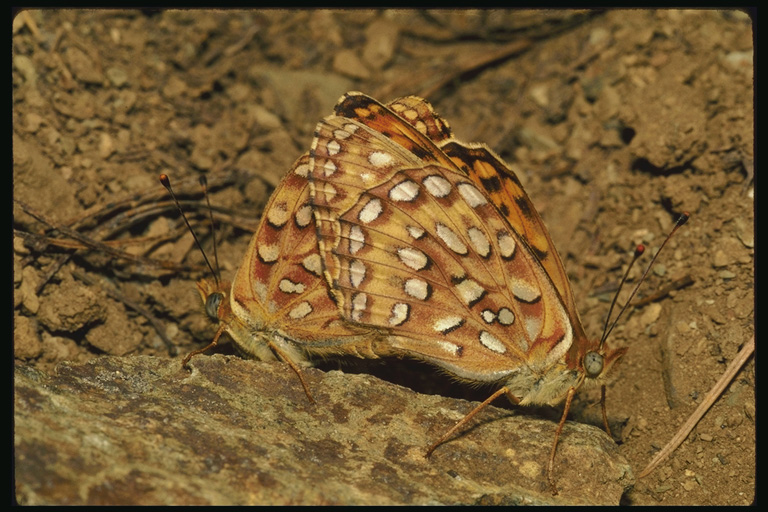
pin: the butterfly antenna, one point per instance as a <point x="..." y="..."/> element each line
<point x="167" y="184"/>
<point x="204" y="184"/>
<point x="640" y="249"/>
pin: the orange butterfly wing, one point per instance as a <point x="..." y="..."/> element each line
<point x="278" y="294"/>
<point x="443" y="272"/>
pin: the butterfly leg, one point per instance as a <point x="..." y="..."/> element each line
<point x="551" y="465"/>
<point x="605" y="414"/>
<point x="295" y="368"/>
<point x="469" y="416"/>
<point x="212" y="344"/>
<point x="512" y="398"/>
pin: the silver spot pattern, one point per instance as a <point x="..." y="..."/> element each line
<point x="412" y="258"/>
<point x="491" y="342"/>
<point x="404" y="191"/>
<point x="437" y="186"/>
<point x="400" y="312"/>
<point x="370" y="211"/>
<point x="450" y="239"/>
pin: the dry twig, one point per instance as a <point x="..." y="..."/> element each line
<point x="713" y="394"/>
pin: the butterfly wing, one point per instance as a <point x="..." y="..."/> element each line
<point x="483" y="166"/>
<point x="411" y="246"/>
<point x="278" y="289"/>
<point x="411" y="110"/>
<point x="505" y="191"/>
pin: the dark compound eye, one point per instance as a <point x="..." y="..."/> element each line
<point x="593" y="364"/>
<point x="212" y="304"/>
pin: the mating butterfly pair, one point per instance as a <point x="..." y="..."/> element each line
<point x="391" y="238"/>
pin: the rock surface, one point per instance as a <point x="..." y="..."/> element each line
<point x="142" y="431"/>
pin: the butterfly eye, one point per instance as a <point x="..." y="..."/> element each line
<point x="593" y="364"/>
<point x="212" y="304"/>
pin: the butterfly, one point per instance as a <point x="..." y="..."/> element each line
<point x="278" y="295"/>
<point x="278" y="304"/>
<point x="435" y="244"/>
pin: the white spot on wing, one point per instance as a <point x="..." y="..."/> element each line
<point x="412" y="258"/>
<point x="450" y="239"/>
<point x="479" y="241"/>
<point x="470" y="291"/>
<point x="313" y="264"/>
<point x="356" y="239"/>
<point x="329" y="168"/>
<point x="416" y="232"/>
<point x="471" y="195"/>
<point x="449" y="347"/>
<point x="288" y="286"/>
<point x="380" y="159"/>
<point x="278" y="215"/>
<point x="491" y="342"/>
<point x="300" y="311"/>
<point x="448" y="323"/>
<point x="526" y="292"/>
<point x="404" y="191"/>
<point x="437" y="186"/>
<point x="333" y="147"/>
<point x="506" y="244"/>
<point x="304" y="216"/>
<point x="359" y="303"/>
<point x="532" y="326"/>
<point x="370" y="211"/>
<point x="356" y="272"/>
<point x="325" y="191"/>
<point x="506" y="316"/>
<point x="417" y="288"/>
<point x="302" y="170"/>
<point x="342" y="134"/>
<point x="399" y="314"/>
<point x="269" y="253"/>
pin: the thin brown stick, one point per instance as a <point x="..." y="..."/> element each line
<point x="152" y="195"/>
<point x="93" y="244"/>
<point x="730" y="372"/>
<point x="66" y="243"/>
<point x="668" y="368"/>
<point x="51" y="271"/>
<point x="430" y="84"/>
<point x="677" y="284"/>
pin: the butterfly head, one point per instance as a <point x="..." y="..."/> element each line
<point x="597" y="363"/>
<point x="215" y="296"/>
<point x="593" y="360"/>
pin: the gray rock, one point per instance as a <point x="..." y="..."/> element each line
<point x="142" y="431"/>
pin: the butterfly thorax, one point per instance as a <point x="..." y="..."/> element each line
<point x="585" y="363"/>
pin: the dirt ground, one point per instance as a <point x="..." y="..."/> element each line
<point x="615" y="121"/>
